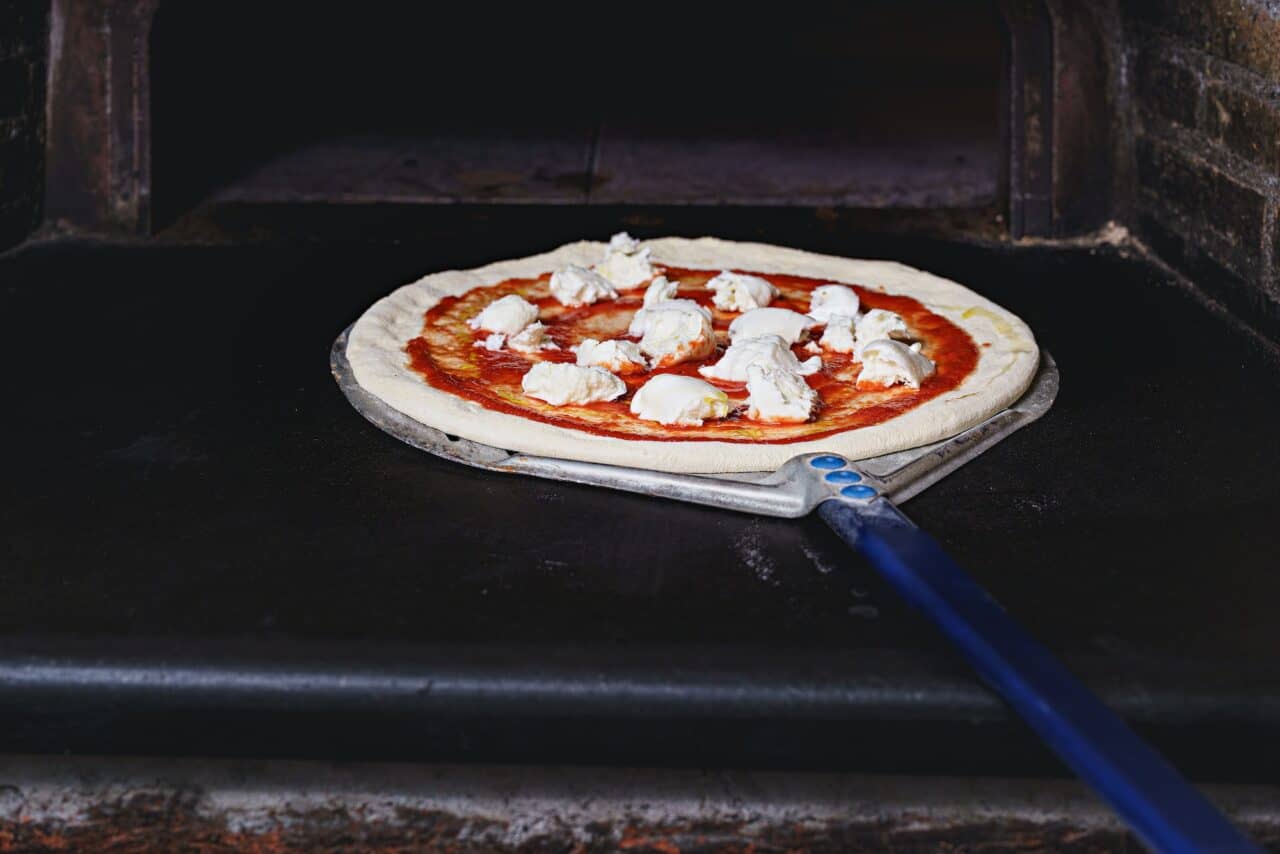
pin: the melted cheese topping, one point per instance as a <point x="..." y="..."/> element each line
<point x="778" y="396"/>
<point x="878" y="324"/>
<point x="674" y="334"/>
<point x="888" y="363"/>
<point x="766" y="351"/>
<point x="507" y="316"/>
<point x="574" y="286"/>
<point x="740" y="292"/>
<point x="838" y="337"/>
<point x="561" y="384"/>
<point x="790" y="326"/>
<point x="640" y="321"/>
<point x="659" y="290"/>
<point x="676" y="399"/>
<point x="531" y="339"/>
<point x="620" y="357"/>
<point x="829" y="301"/>
<point x="625" y="264"/>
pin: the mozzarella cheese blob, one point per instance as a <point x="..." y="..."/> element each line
<point x="838" y="337"/>
<point x="674" y="335"/>
<point x="740" y="292"/>
<point x="531" y="339"/>
<point x="492" y="341"/>
<point x="766" y="351"/>
<point x="877" y="324"/>
<point x="829" y="301"/>
<point x="620" y="357"/>
<point x="790" y="326"/>
<point x="660" y="290"/>
<point x="640" y="322"/>
<point x="574" y="286"/>
<point x="778" y="396"/>
<point x="625" y="264"/>
<point x="887" y="363"/>
<point x="561" y="384"/>
<point x="507" y="316"/>
<point x="675" y="399"/>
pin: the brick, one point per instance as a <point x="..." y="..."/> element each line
<point x="1228" y="216"/>
<point x="1166" y="88"/>
<point x="1251" y="301"/>
<point x="1165" y="240"/>
<point x="1244" y="123"/>
<point x="1245" y="32"/>
<point x="1273" y="240"/>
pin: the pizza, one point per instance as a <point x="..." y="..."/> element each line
<point x="692" y="355"/>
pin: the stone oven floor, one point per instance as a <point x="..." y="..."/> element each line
<point x="206" y="551"/>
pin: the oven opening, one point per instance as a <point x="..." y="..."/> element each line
<point x="876" y="105"/>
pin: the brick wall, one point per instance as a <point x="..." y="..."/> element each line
<point x="1205" y="93"/>
<point x="24" y="35"/>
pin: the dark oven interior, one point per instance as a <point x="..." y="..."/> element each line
<point x="863" y="105"/>
<point x="1018" y="118"/>
<point x="218" y="188"/>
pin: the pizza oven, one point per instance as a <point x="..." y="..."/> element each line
<point x="852" y="108"/>
<point x="921" y="108"/>
<point x="208" y="554"/>
<point x="1002" y="121"/>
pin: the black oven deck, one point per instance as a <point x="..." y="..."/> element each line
<point x="207" y="551"/>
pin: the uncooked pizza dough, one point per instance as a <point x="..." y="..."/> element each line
<point x="1007" y="362"/>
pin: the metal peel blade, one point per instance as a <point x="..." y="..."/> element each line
<point x="856" y="498"/>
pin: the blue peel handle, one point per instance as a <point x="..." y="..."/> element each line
<point x="1165" y="811"/>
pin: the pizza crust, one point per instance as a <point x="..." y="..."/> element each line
<point x="1007" y="361"/>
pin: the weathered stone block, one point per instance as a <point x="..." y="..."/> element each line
<point x="1244" y="123"/>
<point x="1250" y="300"/>
<point x="1246" y="32"/>
<point x="1166" y="88"/>
<point x="1228" y="216"/>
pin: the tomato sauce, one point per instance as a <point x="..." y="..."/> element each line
<point x="446" y="357"/>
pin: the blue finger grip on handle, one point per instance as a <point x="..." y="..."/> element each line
<point x="1165" y="811"/>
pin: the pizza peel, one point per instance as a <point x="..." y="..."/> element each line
<point x="857" y="500"/>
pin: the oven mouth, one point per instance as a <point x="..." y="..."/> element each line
<point x="957" y="119"/>
<point x="878" y="106"/>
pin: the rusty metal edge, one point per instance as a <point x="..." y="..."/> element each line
<point x="75" y="800"/>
